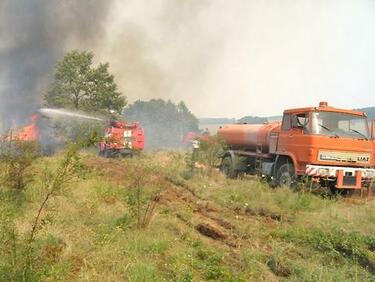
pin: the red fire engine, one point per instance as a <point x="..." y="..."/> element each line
<point x="122" y="138"/>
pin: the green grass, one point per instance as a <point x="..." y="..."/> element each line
<point x="89" y="231"/>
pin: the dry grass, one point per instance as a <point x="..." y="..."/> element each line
<point x="203" y="228"/>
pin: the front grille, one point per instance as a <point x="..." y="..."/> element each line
<point x="342" y="156"/>
<point x="349" y="181"/>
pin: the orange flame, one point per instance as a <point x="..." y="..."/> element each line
<point x="30" y="132"/>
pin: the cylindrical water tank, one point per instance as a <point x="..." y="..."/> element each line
<point x="248" y="136"/>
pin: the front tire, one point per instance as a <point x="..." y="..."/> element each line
<point x="286" y="175"/>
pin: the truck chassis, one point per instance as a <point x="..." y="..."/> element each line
<point x="278" y="170"/>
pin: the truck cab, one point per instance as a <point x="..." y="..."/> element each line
<point x="328" y="144"/>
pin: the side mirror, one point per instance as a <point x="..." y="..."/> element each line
<point x="372" y="129"/>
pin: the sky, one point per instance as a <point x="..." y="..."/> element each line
<point x="244" y="57"/>
<point x="222" y="58"/>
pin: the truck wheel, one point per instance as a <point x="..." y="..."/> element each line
<point x="285" y="175"/>
<point x="227" y="167"/>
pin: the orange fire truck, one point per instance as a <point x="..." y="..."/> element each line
<point x="331" y="146"/>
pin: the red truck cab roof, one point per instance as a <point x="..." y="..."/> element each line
<point x="123" y="124"/>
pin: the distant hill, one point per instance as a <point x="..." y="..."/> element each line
<point x="274" y="118"/>
<point x="245" y="119"/>
<point x="213" y="124"/>
<point x="370" y="111"/>
<point x="216" y="122"/>
<point x="252" y="120"/>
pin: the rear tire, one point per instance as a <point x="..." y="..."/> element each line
<point x="228" y="168"/>
<point x="286" y="175"/>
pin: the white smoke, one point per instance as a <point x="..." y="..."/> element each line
<point x="223" y="58"/>
<point x="244" y="57"/>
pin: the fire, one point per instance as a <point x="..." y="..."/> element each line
<point x="30" y="132"/>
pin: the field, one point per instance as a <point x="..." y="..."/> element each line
<point x="151" y="218"/>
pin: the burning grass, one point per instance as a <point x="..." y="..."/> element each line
<point x="141" y="219"/>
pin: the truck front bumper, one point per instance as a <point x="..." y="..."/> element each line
<point x="345" y="177"/>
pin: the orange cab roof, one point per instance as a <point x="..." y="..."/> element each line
<point x="323" y="107"/>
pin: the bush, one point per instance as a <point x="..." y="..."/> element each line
<point x="20" y="257"/>
<point x="210" y="150"/>
<point x="16" y="157"/>
<point x="143" y="193"/>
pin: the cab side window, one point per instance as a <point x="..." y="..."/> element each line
<point x="295" y="121"/>
<point x="286" y="124"/>
<point x="303" y="122"/>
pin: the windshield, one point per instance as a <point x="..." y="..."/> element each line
<point x="339" y="125"/>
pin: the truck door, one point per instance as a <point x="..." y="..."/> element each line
<point x="294" y="138"/>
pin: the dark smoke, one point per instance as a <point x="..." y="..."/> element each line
<point x="163" y="48"/>
<point x="33" y="35"/>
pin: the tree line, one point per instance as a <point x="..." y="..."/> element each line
<point x="80" y="85"/>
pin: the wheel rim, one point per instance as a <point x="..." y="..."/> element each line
<point x="286" y="175"/>
<point x="285" y="179"/>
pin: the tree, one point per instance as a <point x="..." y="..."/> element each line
<point x="188" y="121"/>
<point x="79" y="85"/>
<point x="165" y="123"/>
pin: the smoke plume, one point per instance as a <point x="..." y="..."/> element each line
<point x="33" y="35"/>
<point x="223" y="58"/>
<point x="244" y="57"/>
<point x="165" y="48"/>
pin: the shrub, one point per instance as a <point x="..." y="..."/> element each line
<point x="16" y="157"/>
<point x="210" y="150"/>
<point x="143" y="193"/>
<point x="21" y="256"/>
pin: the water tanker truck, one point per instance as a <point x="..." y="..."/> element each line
<point x="330" y="146"/>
